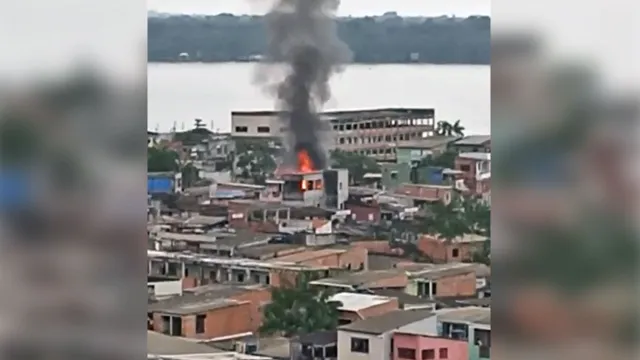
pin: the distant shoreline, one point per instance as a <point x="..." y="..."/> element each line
<point x="177" y="62"/>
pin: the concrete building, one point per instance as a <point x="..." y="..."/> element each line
<point x="472" y="143"/>
<point x="211" y="311"/>
<point x="470" y="324"/>
<point x="411" y="152"/>
<point x="446" y="280"/>
<point x="411" y="346"/>
<point x="476" y="171"/>
<point x="376" y="132"/>
<point x="370" y="339"/>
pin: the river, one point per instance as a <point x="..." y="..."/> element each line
<point x="179" y="93"/>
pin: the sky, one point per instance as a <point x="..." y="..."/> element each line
<point x="347" y="7"/>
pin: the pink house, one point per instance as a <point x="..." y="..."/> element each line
<point x="423" y="347"/>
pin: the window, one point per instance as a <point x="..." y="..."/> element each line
<point x="264" y="129"/>
<point x="434" y="289"/>
<point x="443" y="353"/>
<point x="307" y="350"/>
<point x="465" y="167"/>
<point x="455" y="253"/>
<point x="200" y="323"/>
<point x="406" y="353"/>
<point x="428" y="354"/>
<point x="242" y="129"/>
<point x="359" y="345"/>
<point x="331" y="351"/>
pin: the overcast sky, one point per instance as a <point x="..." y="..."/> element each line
<point x="347" y="7"/>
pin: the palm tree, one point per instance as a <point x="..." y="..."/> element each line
<point x="444" y="128"/>
<point x="457" y="129"/>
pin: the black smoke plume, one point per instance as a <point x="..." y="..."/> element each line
<point x="302" y="35"/>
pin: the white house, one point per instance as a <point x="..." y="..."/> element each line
<point x="370" y="339"/>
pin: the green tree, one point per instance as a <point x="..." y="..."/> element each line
<point x="445" y="128"/>
<point x="299" y="309"/>
<point x="159" y="160"/>
<point x="448" y="221"/>
<point x="255" y="159"/>
<point x="388" y="39"/>
<point x="190" y="175"/>
<point x="357" y="164"/>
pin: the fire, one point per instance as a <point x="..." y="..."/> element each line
<point x="304" y="162"/>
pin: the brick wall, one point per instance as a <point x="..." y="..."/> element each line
<point x="381" y="309"/>
<point x="363" y="213"/>
<point x="220" y="322"/>
<point x="439" y="251"/>
<point x="457" y="285"/>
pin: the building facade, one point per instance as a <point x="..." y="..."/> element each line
<point x="376" y="133"/>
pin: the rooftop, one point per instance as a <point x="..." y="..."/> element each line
<point x="387" y="322"/>
<point x="477" y="315"/>
<point x="442" y="271"/>
<point x="160" y="344"/>
<point x="319" y="338"/>
<point x="308" y="255"/>
<point x="472" y="140"/>
<point x="201" y="299"/>
<point x="480" y="156"/>
<point x="257" y="204"/>
<point x="404" y="299"/>
<point x="358" y="278"/>
<point x="426" y="143"/>
<point x="222" y="261"/>
<point x="356" y="302"/>
<point x="210" y="356"/>
<point x="351" y="114"/>
<point x="269" y="250"/>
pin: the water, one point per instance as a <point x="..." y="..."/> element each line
<point x="180" y="93"/>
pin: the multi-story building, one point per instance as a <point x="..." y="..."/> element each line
<point x="471" y="324"/>
<point x="376" y="133"/>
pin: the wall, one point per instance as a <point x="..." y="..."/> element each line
<point x="379" y="349"/>
<point x="428" y="326"/>
<point x="454" y="285"/>
<point x="381" y="309"/>
<point x="457" y="350"/>
<point x="226" y="321"/>
<point x="252" y="122"/>
<point x="166" y="288"/>
<point x="364" y="213"/>
<point x="439" y="251"/>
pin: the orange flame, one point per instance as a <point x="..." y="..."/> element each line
<point x="304" y="162"/>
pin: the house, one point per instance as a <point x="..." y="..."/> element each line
<point x="202" y="269"/>
<point x="371" y="338"/>
<point x="210" y="311"/>
<point x="350" y="258"/>
<point x="355" y="306"/>
<point x="442" y="280"/>
<point x="315" y="346"/>
<point x="475" y="171"/>
<point x="470" y="324"/>
<point x="416" y="346"/>
<point x="472" y="143"/>
<point x="411" y="152"/>
<point x="423" y="193"/>
<point x="459" y="249"/>
<point x="364" y="280"/>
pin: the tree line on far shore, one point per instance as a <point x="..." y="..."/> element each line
<point x="381" y="39"/>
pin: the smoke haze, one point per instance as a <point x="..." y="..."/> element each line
<point x="302" y="34"/>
